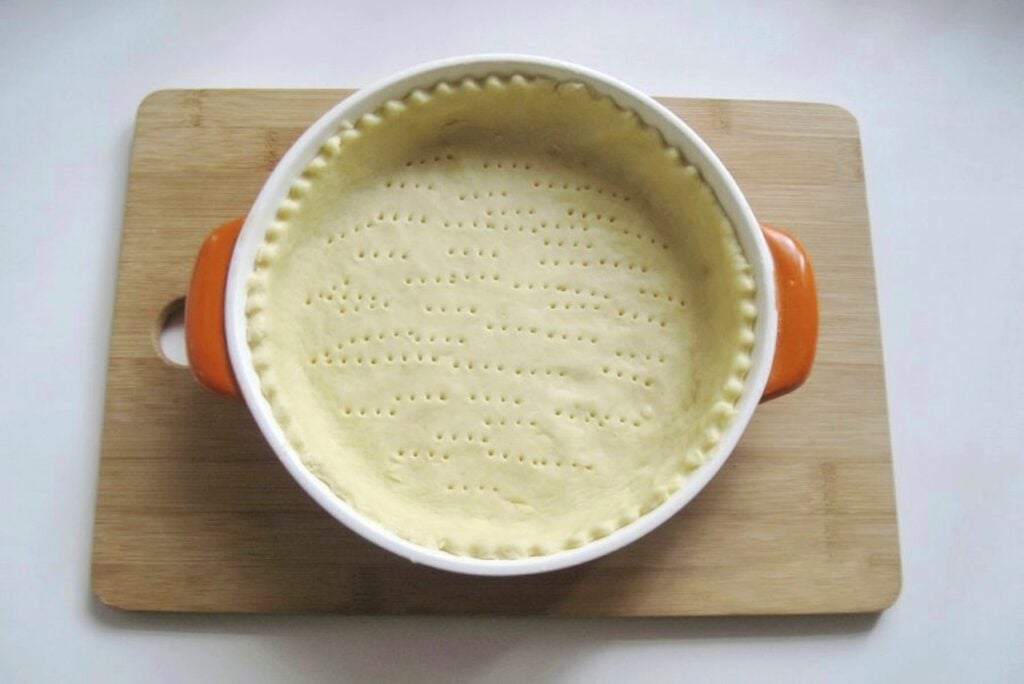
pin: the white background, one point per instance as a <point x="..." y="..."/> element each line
<point x="938" y="88"/>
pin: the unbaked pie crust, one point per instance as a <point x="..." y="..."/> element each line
<point x="501" y="317"/>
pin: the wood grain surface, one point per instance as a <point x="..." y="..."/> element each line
<point x="195" y="513"/>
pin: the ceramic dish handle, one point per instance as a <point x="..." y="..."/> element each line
<point x="205" y="339"/>
<point x="208" y="350"/>
<point x="797" y="302"/>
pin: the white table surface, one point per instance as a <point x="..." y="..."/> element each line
<point x="938" y="88"/>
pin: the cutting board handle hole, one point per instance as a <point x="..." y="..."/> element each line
<point x="169" y="338"/>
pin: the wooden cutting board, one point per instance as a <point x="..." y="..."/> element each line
<point x="195" y="513"/>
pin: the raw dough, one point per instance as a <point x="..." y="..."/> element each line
<point x="501" y="318"/>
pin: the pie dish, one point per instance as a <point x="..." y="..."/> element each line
<point x="500" y="315"/>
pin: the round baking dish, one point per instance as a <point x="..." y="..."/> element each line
<point x="785" y="329"/>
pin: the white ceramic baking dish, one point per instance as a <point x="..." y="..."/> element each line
<point x="785" y="333"/>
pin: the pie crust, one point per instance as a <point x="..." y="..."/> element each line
<point x="501" y="317"/>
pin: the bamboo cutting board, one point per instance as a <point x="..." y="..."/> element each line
<point x="195" y="513"/>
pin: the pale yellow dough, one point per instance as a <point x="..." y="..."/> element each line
<point x="501" y="317"/>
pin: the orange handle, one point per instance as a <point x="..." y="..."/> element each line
<point x="204" y="312"/>
<point x="797" y="303"/>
